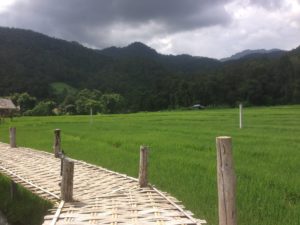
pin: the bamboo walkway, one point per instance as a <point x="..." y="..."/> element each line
<point x="100" y="196"/>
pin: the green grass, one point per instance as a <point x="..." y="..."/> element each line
<point x="183" y="155"/>
<point x="25" y="208"/>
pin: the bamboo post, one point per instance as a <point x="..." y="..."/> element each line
<point x="67" y="180"/>
<point x="12" y="137"/>
<point x="241" y="115"/>
<point x="143" y="171"/>
<point x="57" y="143"/>
<point x="226" y="182"/>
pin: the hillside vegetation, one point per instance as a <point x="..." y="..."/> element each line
<point x="183" y="154"/>
<point x="144" y="79"/>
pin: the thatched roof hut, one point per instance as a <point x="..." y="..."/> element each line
<point x="7" y="107"/>
<point x="7" y="104"/>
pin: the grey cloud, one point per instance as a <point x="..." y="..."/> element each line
<point x="91" y="21"/>
<point x="187" y="14"/>
<point x="132" y="11"/>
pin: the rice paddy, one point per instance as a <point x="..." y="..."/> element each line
<point x="183" y="155"/>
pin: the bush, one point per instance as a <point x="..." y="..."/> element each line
<point x="44" y="108"/>
<point x="24" y="100"/>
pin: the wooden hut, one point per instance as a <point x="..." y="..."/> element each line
<point x="7" y="108"/>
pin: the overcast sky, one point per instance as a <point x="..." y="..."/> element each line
<point x="213" y="28"/>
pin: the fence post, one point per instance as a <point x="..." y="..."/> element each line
<point x="143" y="171"/>
<point x="57" y="143"/>
<point x="12" y="137"/>
<point x="67" y="180"/>
<point x="226" y="182"/>
<point x="241" y="115"/>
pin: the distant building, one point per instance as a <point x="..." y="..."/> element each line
<point x="7" y="108"/>
<point x="198" y="106"/>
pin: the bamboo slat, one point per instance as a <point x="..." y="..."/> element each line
<point x="100" y="196"/>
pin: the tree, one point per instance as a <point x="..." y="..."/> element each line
<point x="87" y="100"/>
<point x="112" y="103"/>
<point x="24" y="100"/>
<point x="84" y="105"/>
<point x="44" y="108"/>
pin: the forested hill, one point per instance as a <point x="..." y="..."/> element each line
<point x="273" y="53"/>
<point x="185" y="64"/>
<point x="31" y="61"/>
<point x="48" y="68"/>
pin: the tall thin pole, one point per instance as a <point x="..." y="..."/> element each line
<point x="91" y="115"/>
<point x="241" y="115"/>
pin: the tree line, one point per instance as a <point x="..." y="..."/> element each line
<point x="83" y="102"/>
<point x="135" y="78"/>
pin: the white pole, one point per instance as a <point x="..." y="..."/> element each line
<point x="241" y="116"/>
<point x="91" y="115"/>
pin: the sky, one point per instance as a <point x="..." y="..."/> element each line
<point x="211" y="28"/>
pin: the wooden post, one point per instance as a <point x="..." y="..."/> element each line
<point x="57" y="143"/>
<point x="241" y="115"/>
<point x="67" y="180"/>
<point x="12" y="137"/>
<point x="226" y="182"/>
<point x="143" y="171"/>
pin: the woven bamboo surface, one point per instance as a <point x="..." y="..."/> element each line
<point x="100" y="196"/>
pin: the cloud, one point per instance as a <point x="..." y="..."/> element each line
<point x="82" y="20"/>
<point x="268" y="4"/>
<point x="215" y="28"/>
<point x="252" y="27"/>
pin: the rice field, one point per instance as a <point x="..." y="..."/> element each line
<point x="24" y="208"/>
<point x="183" y="154"/>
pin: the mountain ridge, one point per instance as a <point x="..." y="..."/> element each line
<point x="254" y="53"/>
<point x="31" y="62"/>
<point x="183" y="62"/>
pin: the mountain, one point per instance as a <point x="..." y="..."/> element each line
<point x="136" y="49"/>
<point x="147" y="80"/>
<point x="296" y="50"/>
<point x="273" y="53"/>
<point x="30" y="61"/>
<point x="179" y="63"/>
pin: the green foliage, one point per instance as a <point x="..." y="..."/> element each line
<point x="80" y="103"/>
<point x="54" y="69"/>
<point x="43" y="108"/>
<point x="112" y="103"/>
<point x="183" y="154"/>
<point x="60" y="90"/>
<point x="70" y="109"/>
<point x="88" y="100"/>
<point x="25" y="208"/>
<point x="89" y="94"/>
<point x="24" y="100"/>
<point x="84" y="105"/>
<point x="60" y="87"/>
